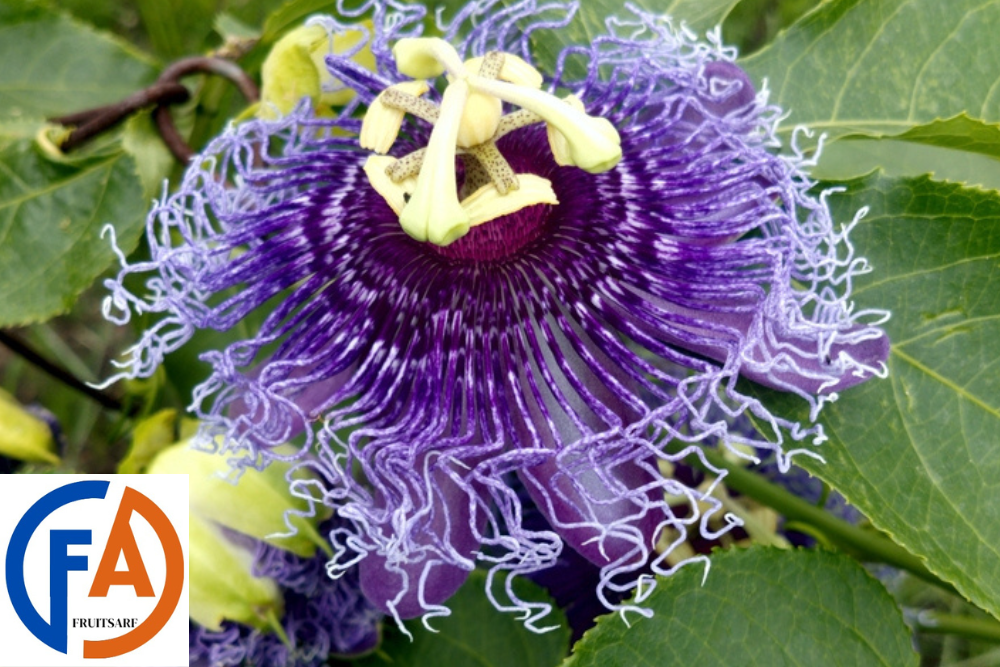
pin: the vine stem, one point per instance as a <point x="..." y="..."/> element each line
<point x="181" y="68"/>
<point x="967" y="626"/>
<point x="24" y="350"/>
<point x="867" y="544"/>
<point x="91" y="122"/>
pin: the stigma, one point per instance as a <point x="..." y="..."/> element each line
<point x="422" y="187"/>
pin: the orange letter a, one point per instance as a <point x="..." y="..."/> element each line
<point x="122" y="541"/>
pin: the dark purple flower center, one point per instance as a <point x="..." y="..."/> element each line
<point x="501" y="238"/>
<point x="527" y="152"/>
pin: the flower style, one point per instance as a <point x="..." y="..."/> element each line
<point x="562" y="285"/>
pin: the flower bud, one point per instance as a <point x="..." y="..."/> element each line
<point x="296" y="68"/>
<point x="24" y="436"/>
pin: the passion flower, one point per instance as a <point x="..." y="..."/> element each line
<point x="483" y="268"/>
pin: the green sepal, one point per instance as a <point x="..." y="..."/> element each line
<point x="221" y="585"/>
<point x="255" y="505"/>
<point x="150" y="436"/>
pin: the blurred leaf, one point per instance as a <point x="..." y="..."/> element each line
<point x="883" y="67"/>
<point x="177" y="28"/>
<point x="291" y="14"/>
<point x="761" y="607"/>
<point x="51" y="216"/>
<point x="253" y="12"/>
<point x="228" y="26"/>
<point x="918" y="452"/>
<point x="20" y="127"/>
<point x="699" y="15"/>
<point x="476" y="634"/>
<point x="119" y="17"/>
<point x="51" y="65"/>
<point x="753" y="23"/>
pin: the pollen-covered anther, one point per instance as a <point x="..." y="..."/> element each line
<point x="394" y="192"/>
<point x="499" y="171"/>
<point x="382" y="122"/>
<point x="592" y="143"/>
<point x="407" y="166"/>
<point x="562" y="151"/>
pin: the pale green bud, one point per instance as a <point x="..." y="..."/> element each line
<point x="24" y="436"/>
<point x="295" y="68"/>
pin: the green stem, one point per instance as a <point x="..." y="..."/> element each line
<point x="868" y="544"/>
<point x="968" y="626"/>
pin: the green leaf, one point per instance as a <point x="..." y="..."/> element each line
<point x="917" y="452"/>
<point x="51" y="216"/>
<point x="228" y="26"/>
<point x="884" y="67"/>
<point x="959" y="149"/>
<point x="177" y="28"/>
<point x="753" y="23"/>
<point x="761" y="607"/>
<point x="844" y="160"/>
<point x="20" y="127"/>
<point x="51" y="65"/>
<point x="960" y="133"/>
<point x="477" y="634"/>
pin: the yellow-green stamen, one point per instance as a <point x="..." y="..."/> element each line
<point x="422" y="187"/>
<point x="383" y="120"/>
<point x="591" y="143"/>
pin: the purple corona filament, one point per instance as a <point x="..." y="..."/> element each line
<point x="565" y="344"/>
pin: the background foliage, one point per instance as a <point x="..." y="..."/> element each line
<point x="907" y="95"/>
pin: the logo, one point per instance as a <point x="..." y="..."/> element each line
<point x="95" y="570"/>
